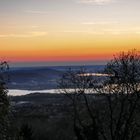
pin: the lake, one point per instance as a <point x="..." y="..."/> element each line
<point x="16" y="92"/>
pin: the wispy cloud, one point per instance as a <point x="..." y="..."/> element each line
<point x="98" y="2"/>
<point x="99" y="23"/>
<point x="84" y="32"/>
<point x="117" y="31"/>
<point x="109" y="31"/>
<point x="26" y="35"/>
<point x="36" y="12"/>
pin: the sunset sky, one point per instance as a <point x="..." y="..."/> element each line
<point x="67" y="31"/>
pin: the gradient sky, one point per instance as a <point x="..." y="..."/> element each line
<point x="67" y="30"/>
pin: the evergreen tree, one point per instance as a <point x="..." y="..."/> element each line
<point x="4" y="102"/>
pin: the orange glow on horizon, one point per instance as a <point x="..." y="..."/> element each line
<point x="68" y="58"/>
<point x="77" y="48"/>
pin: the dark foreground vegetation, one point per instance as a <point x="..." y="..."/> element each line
<point x="97" y="108"/>
<point x="46" y="115"/>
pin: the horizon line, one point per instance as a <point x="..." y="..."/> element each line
<point x="55" y="63"/>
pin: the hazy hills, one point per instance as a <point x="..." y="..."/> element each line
<point x="38" y="78"/>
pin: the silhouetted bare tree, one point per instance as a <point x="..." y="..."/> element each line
<point x="112" y="113"/>
<point x="122" y="89"/>
<point x="76" y="84"/>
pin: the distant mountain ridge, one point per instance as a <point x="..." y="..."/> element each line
<point x="39" y="78"/>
